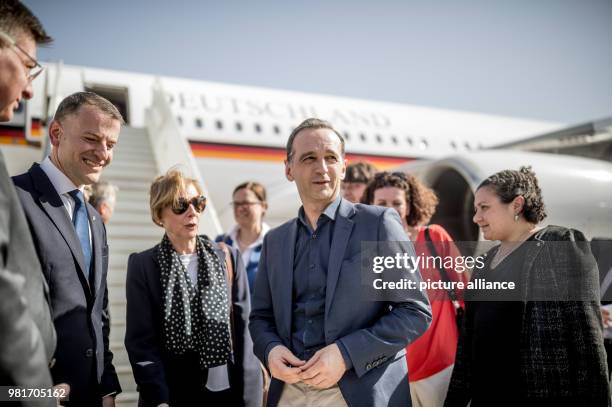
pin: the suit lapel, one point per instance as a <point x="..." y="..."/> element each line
<point x="97" y="244"/>
<point x="342" y="232"/>
<point x="285" y="278"/>
<point x="52" y="204"/>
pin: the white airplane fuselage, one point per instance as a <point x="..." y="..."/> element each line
<point x="238" y="133"/>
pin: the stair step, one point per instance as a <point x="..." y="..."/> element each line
<point x="127" y="399"/>
<point x="124" y="204"/>
<point x="129" y="162"/>
<point x="117" y="332"/>
<point x="134" y="142"/>
<point x="147" y="230"/>
<point x="126" y="378"/>
<point x="141" y="173"/>
<point x="128" y="182"/>
<point x="144" y="157"/>
<point x="120" y="356"/>
<point x="131" y="175"/>
<point x="116" y="294"/>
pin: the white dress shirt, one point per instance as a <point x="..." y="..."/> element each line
<point x="63" y="186"/>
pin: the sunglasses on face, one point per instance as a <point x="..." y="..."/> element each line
<point x="198" y="202"/>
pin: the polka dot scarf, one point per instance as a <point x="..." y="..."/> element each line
<point x="196" y="318"/>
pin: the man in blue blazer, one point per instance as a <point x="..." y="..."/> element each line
<point x="70" y="240"/>
<point x="320" y="338"/>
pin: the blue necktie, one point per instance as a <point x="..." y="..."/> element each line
<point x="81" y="225"/>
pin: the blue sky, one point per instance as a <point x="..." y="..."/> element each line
<point x="545" y="59"/>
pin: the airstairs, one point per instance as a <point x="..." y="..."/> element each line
<point x="130" y="230"/>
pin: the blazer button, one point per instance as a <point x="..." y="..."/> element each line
<point x="89" y="353"/>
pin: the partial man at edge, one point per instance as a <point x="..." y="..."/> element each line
<point x="27" y="336"/>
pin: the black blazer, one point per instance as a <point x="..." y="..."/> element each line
<point x="163" y="378"/>
<point x="79" y="307"/>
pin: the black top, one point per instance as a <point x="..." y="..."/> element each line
<point x="496" y="323"/>
<point x="561" y="357"/>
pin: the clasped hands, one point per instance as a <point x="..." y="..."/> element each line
<point x="323" y="370"/>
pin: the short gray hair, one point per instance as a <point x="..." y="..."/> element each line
<point x="71" y="105"/>
<point x="102" y="192"/>
<point x="311" y="123"/>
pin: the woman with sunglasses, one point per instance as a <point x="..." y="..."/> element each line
<point x="249" y="203"/>
<point x="430" y="358"/>
<point x="541" y="343"/>
<point x="187" y="310"/>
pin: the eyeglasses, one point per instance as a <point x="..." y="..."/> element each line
<point x="33" y="71"/>
<point x="198" y="202"/>
<point x="238" y="204"/>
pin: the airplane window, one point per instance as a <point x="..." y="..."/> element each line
<point x="453" y="145"/>
<point x="363" y="137"/>
<point x="258" y="127"/>
<point x="394" y="139"/>
<point x="238" y="126"/>
<point x="423" y="144"/>
<point x="276" y="129"/>
<point x="409" y="140"/>
<point x="467" y="145"/>
<point x="198" y="123"/>
<point x="179" y="119"/>
<point x="219" y="124"/>
<point x="347" y="136"/>
<point x="379" y="138"/>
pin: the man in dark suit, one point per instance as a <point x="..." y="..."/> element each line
<point x="27" y="336"/>
<point x="71" y="243"/>
<point x="322" y="342"/>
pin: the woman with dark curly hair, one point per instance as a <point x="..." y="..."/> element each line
<point x="430" y="358"/>
<point x="540" y="344"/>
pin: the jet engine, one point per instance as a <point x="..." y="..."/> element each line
<point x="577" y="191"/>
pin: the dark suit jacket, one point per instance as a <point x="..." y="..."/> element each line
<point x="27" y="336"/>
<point x="175" y="380"/>
<point x="79" y="306"/>
<point x="374" y="333"/>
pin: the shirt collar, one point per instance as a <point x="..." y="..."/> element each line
<point x="233" y="234"/>
<point x="59" y="180"/>
<point x="330" y="211"/>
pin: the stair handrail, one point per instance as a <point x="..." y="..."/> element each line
<point x="53" y="102"/>
<point x="171" y="149"/>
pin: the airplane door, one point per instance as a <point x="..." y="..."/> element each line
<point x="118" y="96"/>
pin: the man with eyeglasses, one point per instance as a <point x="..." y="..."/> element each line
<point x="27" y="336"/>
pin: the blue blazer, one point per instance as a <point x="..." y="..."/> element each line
<point x="374" y="333"/>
